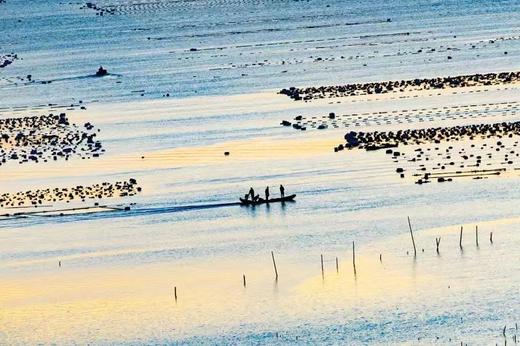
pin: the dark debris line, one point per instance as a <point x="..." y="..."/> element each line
<point x="420" y="115"/>
<point x="77" y="193"/>
<point x="311" y="93"/>
<point x="390" y="139"/>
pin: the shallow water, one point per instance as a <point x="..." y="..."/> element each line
<point x="118" y="269"/>
<point x="60" y="42"/>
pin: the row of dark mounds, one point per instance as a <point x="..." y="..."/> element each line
<point x="77" y="193"/>
<point x="7" y="59"/>
<point x="45" y="138"/>
<point x="446" y="113"/>
<point x="495" y="152"/>
<point x="489" y="157"/>
<point x="381" y="140"/>
<point x="147" y="7"/>
<point x="360" y="56"/>
<point x="322" y="92"/>
<point x="49" y="107"/>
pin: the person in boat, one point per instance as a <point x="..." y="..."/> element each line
<point x="246" y="197"/>
<point x="267" y="193"/>
<point x="101" y="71"/>
<point x="252" y="193"/>
<point x="282" y="190"/>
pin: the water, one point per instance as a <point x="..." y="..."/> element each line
<point x="64" y="44"/>
<point x="118" y="269"/>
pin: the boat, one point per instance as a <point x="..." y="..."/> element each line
<point x="289" y="198"/>
<point x="101" y="72"/>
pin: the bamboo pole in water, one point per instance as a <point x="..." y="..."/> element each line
<point x="337" y="265"/>
<point x="460" y="238"/>
<point x="354" y="257"/>
<point x="322" y="271"/>
<point x="476" y="235"/>
<point x="438" y="242"/>
<point x="274" y="264"/>
<point x="413" y="240"/>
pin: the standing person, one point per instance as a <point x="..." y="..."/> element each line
<point x="282" y="190"/>
<point x="252" y="193"/>
<point x="267" y="193"/>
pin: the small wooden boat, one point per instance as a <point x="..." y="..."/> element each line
<point x="289" y="198"/>
<point x="101" y="72"/>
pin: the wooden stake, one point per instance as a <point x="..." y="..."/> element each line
<point x="274" y="264"/>
<point x="438" y="242"/>
<point x="380" y="257"/>
<point x="322" y="271"/>
<point x="244" y="277"/>
<point x="354" y="257"/>
<point x="476" y="235"/>
<point x="413" y="240"/>
<point x="337" y="265"/>
<point x="175" y="292"/>
<point x="460" y="238"/>
<point x="491" y="237"/>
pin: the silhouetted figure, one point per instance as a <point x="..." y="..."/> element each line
<point x="267" y="193"/>
<point x="282" y="190"/>
<point x="246" y="196"/>
<point x="252" y="193"/>
<point x="101" y="72"/>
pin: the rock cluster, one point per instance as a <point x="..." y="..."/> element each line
<point x="7" y="59"/>
<point x="46" y="137"/>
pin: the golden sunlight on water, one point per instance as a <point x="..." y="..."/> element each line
<point x="125" y="302"/>
<point x="240" y="151"/>
<point x="120" y="220"/>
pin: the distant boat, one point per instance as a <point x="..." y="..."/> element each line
<point x="289" y="198"/>
<point x="101" y="72"/>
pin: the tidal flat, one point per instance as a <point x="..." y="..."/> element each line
<point x="394" y="123"/>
